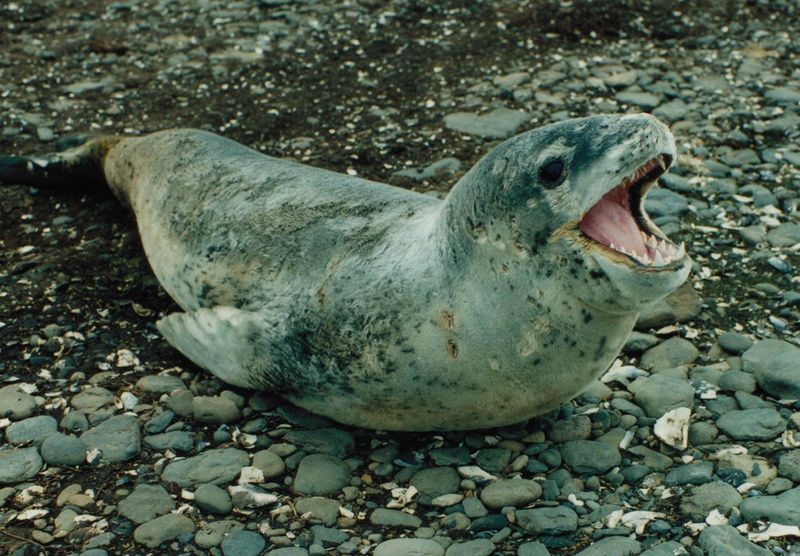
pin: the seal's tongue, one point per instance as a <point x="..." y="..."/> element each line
<point x="610" y="222"/>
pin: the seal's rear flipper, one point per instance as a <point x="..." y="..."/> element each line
<point x="81" y="166"/>
<point x="223" y="340"/>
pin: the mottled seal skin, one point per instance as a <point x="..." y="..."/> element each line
<point x="383" y="308"/>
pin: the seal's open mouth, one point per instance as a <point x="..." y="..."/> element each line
<point x="620" y="225"/>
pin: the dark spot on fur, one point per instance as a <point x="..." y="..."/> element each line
<point x="452" y="349"/>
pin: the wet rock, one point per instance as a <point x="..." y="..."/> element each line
<point x="19" y="464"/>
<point x="497" y="124"/>
<point x="784" y="508"/>
<point x="216" y="410"/>
<point x="669" y="354"/>
<point x="162" y="529"/>
<point x="117" y="439"/>
<point x="724" y="540"/>
<point x="752" y="424"/>
<point x="409" y="547"/>
<point x="214" y="499"/>
<point x="60" y="449"/>
<point x="590" y="456"/>
<point x="321" y="475"/>
<point x="709" y="496"/>
<point x="612" y="546"/>
<point x="32" y="429"/>
<point x="394" y="518"/>
<point x="146" y="502"/>
<point x="243" y="543"/>
<point x="660" y="393"/>
<point x="548" y="521"/>
<point x="776" y="366"/>
<point x="15" y="403"/>
<point x="214" y="466"/>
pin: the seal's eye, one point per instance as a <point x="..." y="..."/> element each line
<point x="552" y="173"/>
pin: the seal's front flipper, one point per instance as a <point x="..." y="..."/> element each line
<point x="223" y="340"/>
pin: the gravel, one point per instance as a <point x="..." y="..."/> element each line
<point x="126" y="445"/>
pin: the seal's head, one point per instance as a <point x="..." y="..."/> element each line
<point x="572" y="194"/>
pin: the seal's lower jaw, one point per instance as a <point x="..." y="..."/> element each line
<point x="617" y="227"/>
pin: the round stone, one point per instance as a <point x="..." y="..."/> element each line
<point x="435" y="481"/>
<point x="213" y="533"/>
<point x="32" y="429"/>
<point x="15" y="403"/>
<point x="590" y="456"/>
<point x="322" y="509"/>
<point x="243" y="543"/>
<point x="212" y="498"/>
<point x="214" y="466"/>
<point x="752" y="424"/>
<point x="215" y="410"/>
<point x="510" y="492"/>
<point x="162" y="529"/>
<point x="477" y="547"/>
<point x="321" y="475"/>
<point x="409" y="547"/>
<point x="269" y="463"/>
<point x="660" y="393"/>
<point x="548" y="521"/>
<point x="734" y="342"/>
<point x="669" y="354"/>
<point x="19" y="464"/>
<point x="394" y="518"/>
<point x="783" y="508"/>
<point x="160" y="384"/>
<point x="334" y="442"/>
<point x="117" y="438"/>
<point x="61" y="449"/>
<point x="721" y="540"/>
<point x="704" y="498"/>
<point x="776" y="366"/>
<point x="145" y="503"/>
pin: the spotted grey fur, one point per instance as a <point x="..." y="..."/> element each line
<point x="381" y="307"/>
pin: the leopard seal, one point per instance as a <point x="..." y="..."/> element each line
<point x="385" y="308"/>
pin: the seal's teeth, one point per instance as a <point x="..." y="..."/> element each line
<point x="681" y="251"/>
<point x="658" y="259"/>
<point x="614" y="247"/>
<point x="662" y="163"/>
<point x="651" y="242"/>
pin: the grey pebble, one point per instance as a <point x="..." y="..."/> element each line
<point x="663" y="202"/>
<point x="669" y="548"/>
<point x="476" y="547"/>
<point x="590" y="456"/>
<point x="497" y="124"/>
<point x="215" y="410"/>
<point x="328" y="536"/>
<point x="32" y="429"/>
<point x="334" y="442"/>
<point x="577" y="427"/>
<point x="118" y="438"/>
<point x="321" y="475"/>
<point x="645" y="101"/>
<point x="697" y="473"/>
<point x="493" y="460"/>
<point x="435" y="481"/>
<point x="450" y="456"/>
<point x="75" y="421"/>
<point x="776" y="366"/>
<point x="737" y="381"/>
<point x="548" y="521"/>
<point x="394" y="518"/>
<point x="15" y="403"/>
<point x="409" y="547"/>
<point x="92" y="398"/>
<point x="660" y="393"/>
<point x="160" y="384"/>
<point x="213" y="533"/>
<point x="269" y="463"/>
<point x="243" y="543"/>
<point x="752" y="424"/>
<point x="162" y="529"/>
<point x="783" y="508"/>
<point x="612" y="546"/>
<point x="218" y="467"/>
<point x="61" y="449"/>
<point x="19" y="464"/>
<point x="440" y="168"/>
<point x="290" y="551"/>
<point x="158" y="423"/>
<point x="325" y="510"/>
<point x="146" y="502"/>
<point x="724" y="540"/>
<point x="510" y="492"/>
<point x="734" y="342"/>
<point x="702" y="433"/>
<point x="214" y="499"/>
<point x="669" y="354"/>
<point x="709" y="496"/>
<point x="532" y="549"/>
<point x="789" y="465"/>
<point x="177" y="441"/>
<point x="473" y="507"/>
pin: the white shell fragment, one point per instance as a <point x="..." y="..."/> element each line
<point x="637" y="520"/>
<point x="402" y="497"/>
<point x="716" y="518"/>
<point x="775" y="530"/>
<point x="475" y="473"/>
<point x="248" y="496"/>
<point x="249" y="475"/>
<point x="128" y="401"/>
<point x="672" y="428"/>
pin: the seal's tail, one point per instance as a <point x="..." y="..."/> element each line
<point x="80" y="165"/>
